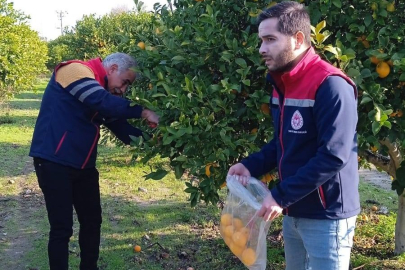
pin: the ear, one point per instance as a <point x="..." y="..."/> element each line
<point x="299" y="40"/>
<point x="112" y="69"/>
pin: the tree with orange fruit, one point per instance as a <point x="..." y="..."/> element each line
<point x="208" y="83"/>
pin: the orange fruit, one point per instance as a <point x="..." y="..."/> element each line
<point x="228" y="231"/>
<point x="237" y="224"/>
<point x="240" y="239"/>
<point x="245" y="231"/>
<point x="141" y="45"/>
<point x="226" y="220"/>
<point x="137" y="248"/>
<point x="383" y="69"/>
<point x="207" y="170"/>
<point x="227" y="240"/>
<point x="237" y="250"/>
<point x="267" y="178"/>
<point x="248" y="256"/>
<point x="265" y="108"/>
<point x="374" y="208"/>
<point x="253" y="131"/>
<point x="374" y="60"/>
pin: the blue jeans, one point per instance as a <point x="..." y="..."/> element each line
<point x="318" y="244"/>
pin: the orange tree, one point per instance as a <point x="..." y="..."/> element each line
<point x="203" y="73"/>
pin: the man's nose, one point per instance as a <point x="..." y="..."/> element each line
<point x="123" y="88"/>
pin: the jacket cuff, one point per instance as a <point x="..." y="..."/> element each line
<point x="137" y="110"/>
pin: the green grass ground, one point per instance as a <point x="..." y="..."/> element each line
<point x="153" y="214"/>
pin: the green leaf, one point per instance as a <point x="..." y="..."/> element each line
<point x="178" y="171"/>
<point x="331" y="49"/>
<point x="158" y="175"/>
<point x="320" y="26"/>
<point x="375" y="127"/>
<point x="191" y="190"/>
<point x="337" y="3"/>
<point x="387" y="124"/>
<point x="246" y="82"/>
<point x="178" y="58"/>
<point x="241" y="62"/>
<point x="365" y="73"/>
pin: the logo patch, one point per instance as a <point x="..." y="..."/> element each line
<point x="297" y="121"/>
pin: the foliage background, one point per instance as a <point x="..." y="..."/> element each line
<point x="22" y="53"/>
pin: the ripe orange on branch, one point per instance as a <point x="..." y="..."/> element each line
<point x="383" y="69"/>
<point x="265" y="108"/>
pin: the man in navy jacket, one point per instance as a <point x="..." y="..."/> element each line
<point x="314" y="111"/>
<point x="81" y="96"/>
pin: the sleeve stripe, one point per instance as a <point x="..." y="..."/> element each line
<point x="82" y="85"/>
<point x="89" y="92"/>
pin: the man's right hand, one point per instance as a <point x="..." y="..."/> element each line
<point x="151" y="117"/>
<point x="241" y="172"/>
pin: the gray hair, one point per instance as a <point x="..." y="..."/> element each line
<point x="122" y="60"/>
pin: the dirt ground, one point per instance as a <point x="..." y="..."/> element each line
<point x="29" y="203"/>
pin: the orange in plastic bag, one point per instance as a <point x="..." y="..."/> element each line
<point x="240" y="227"/>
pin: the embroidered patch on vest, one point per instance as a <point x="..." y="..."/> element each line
<point x="297" y="121"/>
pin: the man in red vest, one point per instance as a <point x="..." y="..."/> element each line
<point x="81" y="96"/>
<point x="314" y="148"/>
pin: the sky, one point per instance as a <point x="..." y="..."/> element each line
<point x="44" y="13"/>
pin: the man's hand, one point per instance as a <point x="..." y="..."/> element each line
<point x="241" y="172"/>
<point x="151" y="117"/>
<point x="270" y="209"/>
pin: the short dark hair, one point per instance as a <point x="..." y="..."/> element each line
<point x="292" y="17"/>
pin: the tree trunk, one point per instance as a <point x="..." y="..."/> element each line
<point x="390" y="165"/>
<point x="400" y="226"/>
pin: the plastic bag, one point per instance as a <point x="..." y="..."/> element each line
<point x="242" y="230"/>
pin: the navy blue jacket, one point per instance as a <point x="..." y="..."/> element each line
<point x="314" y="111"/>
<point x="68" y="125"/>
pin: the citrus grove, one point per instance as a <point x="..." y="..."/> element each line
<point x="202" y="72"/>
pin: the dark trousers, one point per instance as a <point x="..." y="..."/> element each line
<point x="64" y="188"/>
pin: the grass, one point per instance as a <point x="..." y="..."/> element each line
<point x="153" y="214"/>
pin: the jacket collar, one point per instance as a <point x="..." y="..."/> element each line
<point x="280" y="79"/>
<point x="96" y="63"/>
